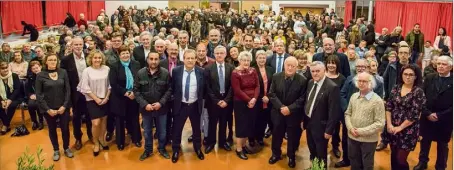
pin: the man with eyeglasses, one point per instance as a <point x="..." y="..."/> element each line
<point x="391" y="77"/>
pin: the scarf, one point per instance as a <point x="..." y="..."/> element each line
<point x="129" y="77"/>
<point x="9" y="78"/>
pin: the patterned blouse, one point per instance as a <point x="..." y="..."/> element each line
<point x="408" y="107"/>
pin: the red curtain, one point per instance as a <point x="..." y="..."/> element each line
<point x="348" y="12"/>
<point x="94" y="7"/>
<point x="13" y="12"/>
<point x="56" y="12"/>
<point x="446" y="19"/>
<point x="425" y="13"/>
<point x="77" y="7"/>
<point x="387" y="17"/>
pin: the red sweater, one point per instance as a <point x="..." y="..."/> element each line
<point x="245" y="84"/>
<point x="82" y="22"/>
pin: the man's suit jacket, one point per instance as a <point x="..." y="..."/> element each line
<point x="344" y="68"/>
<point x="271" y="61"/>
<point x="140" y="56"/>
<point x="165" y="64"/>
<point x="212" y="83"/>
<point x="293" y="98"/>
<point x="326" y="108"/>
<point x="69" y="64"/>
<point x="177" y="85"/>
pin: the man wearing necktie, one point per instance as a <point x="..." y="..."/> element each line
<point x="188" y="84"/>
<point x="287" y="95"/>
<point x="321" y="108"/>
<point x="219" y="101"/>
<point x="276" y="61"/>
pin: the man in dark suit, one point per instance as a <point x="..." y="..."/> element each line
<point x="188" y="85"/>
<point x="287" y="95"/>
<point x="277" y="59"/>
<point x="75" y="64"/>
<point x="321" y="108"/>
<point x="219" y="101"/>
<point x="160" y="48"/>
<point x="328" y="49"/>
<point x="436" y="119"/>
<point x="183" y="43"/>
<point x="140" y="53"/>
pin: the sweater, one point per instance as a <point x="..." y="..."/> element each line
<point x="367" y="115"/>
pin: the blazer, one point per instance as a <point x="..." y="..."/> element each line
<point x="69" y="64"/>
<point x="271" y="61"/>
<point x="326" y="108"/>
<point x="212" y="83"/>
<point x="269" y="74"/>
<point x="117" y="78"/>
<point x="177" y="77"/>
<point x="165" y="64"/>
<point x="293" y="98"/>
<point x="344" y="68"/>
<point x="439" y="101"/>
<point x="140" y="56"/>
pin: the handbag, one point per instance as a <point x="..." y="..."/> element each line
<point x="20" y="131"/>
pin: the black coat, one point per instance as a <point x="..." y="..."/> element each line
<point x="140" y="56"/>
<point x="69" y="65"/>
<point x="117" y="78"/>
<point x="212" y="84"/>
<point x="269" y="74"/>
<point x="293" y="98"/>
<point x="177" y="84"/>
<point x="150" y="89"/>
<point x="16" y="91"/>
<point x="439" y="101"/>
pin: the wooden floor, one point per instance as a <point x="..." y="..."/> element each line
<point x="12" y="147"/>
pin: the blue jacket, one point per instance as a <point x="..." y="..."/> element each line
<point x="349" y="88"/>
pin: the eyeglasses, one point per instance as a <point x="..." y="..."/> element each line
<point x="408" y="75"/>
<point x="363" y="81"/>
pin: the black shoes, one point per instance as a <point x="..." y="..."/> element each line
<point x="226" y="147"/>
<point x="209" y="148"/>
<point x="420" y="166"/>
<point x="108" y="136"/>
<point x="145" y="155"/>
<point x="175" y="156"/>
<point x="138" y="144"/>
<point x="246" y="151"/>
<point x="164" y="154"/>
<point x="274" y="159"/>
<point x="268" y="133"/>
<point x="336" y="153"/>
<point x="41" y="126"/>
<point x="3" y="132"/>
<point x="381" y="146"/>
<point x="291" y="162"/>
<point x="190" y="139"/>
<point x="121" y="147"/>
<point x="78" y="145"/>
<point x="341" y="164"/>
<point x="34" y="126"/>
<point x="241" y="155"/>
<point x="200" y="154"/>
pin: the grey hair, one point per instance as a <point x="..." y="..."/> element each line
<point x="361" y="59"/>
<point x="245" y="55"/>
<point x="372" y="82"/>
<point x="145" y="33"/>
<point x="182" y="32"/>
<point x="316" y="63"/>
<point x="445" y="58"/>
<point x="170" y="37"/>
<point x="220" y="47"/>
<point x="260" y="52"/>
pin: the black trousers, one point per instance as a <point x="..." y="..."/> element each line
<point x="64" y="127"/>
<point x="179" y="119"/>
<point x="217" y="115"/>
<point x="110" y="122"/>
<point x="79" y="109"/>
<point x="35" y="114"/>
<point x="130" y="122"/>
<point x="262" y="118"/>
<point x="442" y="153"/>
<point x="7" y="115"/>
<point x="169" y="122"/>
<point x="318" y="145"/>
<point x="280" y="127"/>
<point x="335" y="140"/>
<point x="230" y="125"/>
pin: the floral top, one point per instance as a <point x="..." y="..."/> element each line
<point x="408" y="107"/>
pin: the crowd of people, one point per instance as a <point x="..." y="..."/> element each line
<point x="274" y="75"/>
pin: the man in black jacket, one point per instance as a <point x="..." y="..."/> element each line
<point x="140" y="53"/>
<point x="287" y="95"/>
<point x="152" y="91"/>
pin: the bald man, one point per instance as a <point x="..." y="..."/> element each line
<point x="74" y="64"/>
<point x="287" y="95"/>
<point x="328" y="49"/>
<point x="214" y="38"/>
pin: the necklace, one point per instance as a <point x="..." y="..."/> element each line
<point x="53" y="75"/>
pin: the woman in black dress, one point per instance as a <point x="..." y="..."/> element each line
<point x="35" y="114"/>
<point x="123" y="103"/>
<point x="10" y="94"/>
<point x="332" y="67"/>
<point x="31" y="29"/>
<point x="53" y="95"/>
<point x="403" y="110"/>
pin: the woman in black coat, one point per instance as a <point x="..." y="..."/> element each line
<point x="370" y="35"/>
<point x="10" y="94"/>
<point x="70" y="22"/>
<point x="265" y="73"/>
<point x="123" y="104"/>
<point x="34" y="34"/>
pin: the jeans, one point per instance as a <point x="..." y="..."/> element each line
<point x="161" y="124"/>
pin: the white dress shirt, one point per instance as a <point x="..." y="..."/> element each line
<point x="192" y="86"/>
<point x="146" y="51"/>
<point x="319" y="85"/>
<point x="81" y="65"/>
<point x="181" y="52"/>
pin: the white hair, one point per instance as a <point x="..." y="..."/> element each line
<point x="145" y="33"/>
<point x="260" y="52"/>
<point x="372" y="82"/>
<point x="245" y="55"/>
<point x="318" y="63"/>
<point x="445" y="58"/>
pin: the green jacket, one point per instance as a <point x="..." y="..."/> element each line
<point x="410" y="39"/>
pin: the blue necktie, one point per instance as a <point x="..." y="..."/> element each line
<point x="186" y="87"/>
<point x="279" y="64"/>
<point x="221" y="80"/>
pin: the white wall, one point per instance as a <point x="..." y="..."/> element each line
<point x="275" y="4"/>
<point x="111" y="6"/>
